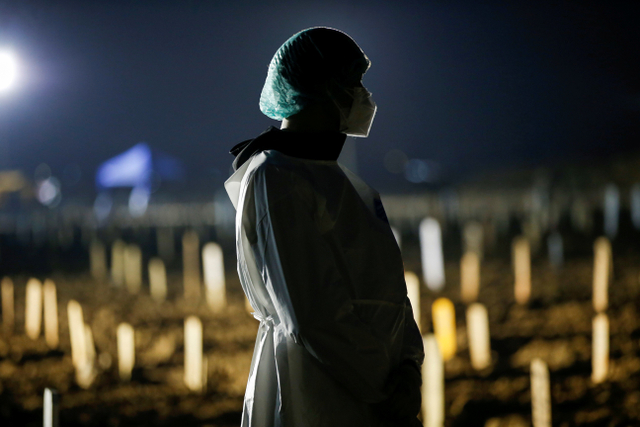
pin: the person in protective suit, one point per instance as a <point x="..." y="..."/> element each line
<point x="337" y="343"/>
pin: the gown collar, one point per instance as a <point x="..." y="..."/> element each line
<point x="322" y="145"/>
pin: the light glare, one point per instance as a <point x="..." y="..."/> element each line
<point x="8" y="70"/>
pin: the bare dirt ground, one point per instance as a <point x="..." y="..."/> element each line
<point x="156" y="394"/>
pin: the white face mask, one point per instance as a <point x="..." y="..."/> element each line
<point x="358" y="122"/>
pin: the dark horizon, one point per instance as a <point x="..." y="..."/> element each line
<point x="469" y="88"/>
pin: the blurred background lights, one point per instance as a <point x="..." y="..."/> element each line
<point x="49" y="192"/>
<point x="129" y="169"/>
<point x="8" y="70"/>
<point x="395" y="161"/>
<point x="42" y="173"/>
<point x="102" y="206"/>
<point x="138" y="201"/>
<point x="418" y="170"/>
<point x="139" y="166"/>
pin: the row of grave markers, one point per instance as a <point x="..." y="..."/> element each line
<point x="470" y="278"/>
<point x="433" y="260"/>
<point x="39" y="299"/>
<point x="195" y="375"/>
<point x="83" y="354"/>
<point x="126" y="265"/>
<point x="126" y="270"/>
<point x="477" y="321"/>
<point x="439" y="347"/>
<point x="433" y="264"/>
<point x="521" y="256"/>
<point x="195" y="365"/>
<point x="433" y="403"/>
<point x="444" y="319"/>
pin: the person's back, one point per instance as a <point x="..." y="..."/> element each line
<point x="337" y="345"/>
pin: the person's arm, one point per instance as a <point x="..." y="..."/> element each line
<point x="412" y="346"/>
<point x="308" y="292"/>
<point x="405" y="381"/>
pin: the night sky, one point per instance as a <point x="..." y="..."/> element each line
<point x="468" y="87"/>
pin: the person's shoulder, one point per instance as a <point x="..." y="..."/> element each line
<point x="282" y="176"/>
<point x="271" y="169"/>
<point x="360" y="184"/>
<point x="272" y="162"/>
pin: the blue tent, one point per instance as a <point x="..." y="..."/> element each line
<point x="136" y="167"/>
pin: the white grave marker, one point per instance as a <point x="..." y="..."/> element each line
<point x="522" y="269"/>
<point x="86" y="374"/>
<point x="611" y="210"/>
<point x="214" y="280"/>
<point x="77" y="334"/>
<point x="157" y="279"/>
<point x="478" y="335"/>
<point x="191" y="265"/>
<point x="444" y="327"/>
<point x="90" y="346"/>
<point x="126" y="350"/>
<point x="432" y="384"/>
<point x="469" y="277"/>
<point x="50" y="314"/>
<point x="413" y="291"/>
<point x="193" y="369"/>
<point x="602" y="272"/>
<point x="98" y="260"/>
<point x="133" y="268"/>
<point x="431" y="251"/>
<point x="117" y="262"/>
<point x="555" y="249"/>
<point x="540" y="394"/>
<point x="50" y="408"/>
<point x="33" y="309"/>
<point x="600" y="349"/>
<point x="8" y="314"/>
<point x="473" y="238"/>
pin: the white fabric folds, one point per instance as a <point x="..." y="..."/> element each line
<point x="321" y="267"/>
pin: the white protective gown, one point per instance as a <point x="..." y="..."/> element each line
<point x="322" y="270"/>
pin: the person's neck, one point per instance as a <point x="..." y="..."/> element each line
<point x="313" y="118"/>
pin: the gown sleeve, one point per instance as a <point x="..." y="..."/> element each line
<point x="412" y="345"/>
<point x="308" y="293"/>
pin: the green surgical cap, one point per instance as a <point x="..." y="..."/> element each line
<point x="304" y="68"/>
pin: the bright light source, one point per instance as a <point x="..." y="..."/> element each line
<point x="8" y="70"/>
<point x="49" y="192"/>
